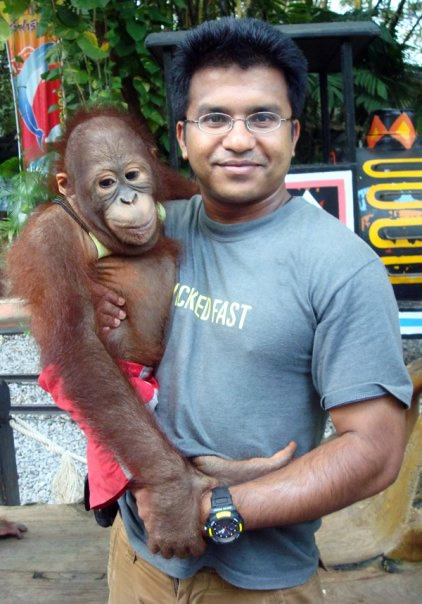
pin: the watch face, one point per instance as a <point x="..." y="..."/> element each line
<point x="225" y="530"/>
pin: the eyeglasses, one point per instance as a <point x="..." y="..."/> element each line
<point x="257" y="123"/>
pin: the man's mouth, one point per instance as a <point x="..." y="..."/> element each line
<point x="238" y="166"/>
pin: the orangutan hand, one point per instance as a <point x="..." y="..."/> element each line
<point x="171" y="513"/>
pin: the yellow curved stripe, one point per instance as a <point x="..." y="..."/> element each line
<point x="399" y="260"/>
<point x="367" y="167"/>
<point x="394" y="205"/>
<point x="381" y="223"/>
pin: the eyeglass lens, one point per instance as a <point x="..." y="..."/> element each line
<point x="262" y="121"/>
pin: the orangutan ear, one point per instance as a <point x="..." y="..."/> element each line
<point x="62" y="183"/>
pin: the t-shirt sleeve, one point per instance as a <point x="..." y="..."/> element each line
<point x="357" y="353"/>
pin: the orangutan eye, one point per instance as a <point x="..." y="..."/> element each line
<point x="106" y="183"/>
<point x="132" y="175"/>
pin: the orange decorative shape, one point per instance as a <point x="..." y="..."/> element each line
<point x="376" y="131"/>
<point x="404" y="131"/>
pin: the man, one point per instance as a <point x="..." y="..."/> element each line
<point x="279" y="315"/>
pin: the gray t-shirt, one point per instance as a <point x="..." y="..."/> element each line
<point x="273" y="322"/>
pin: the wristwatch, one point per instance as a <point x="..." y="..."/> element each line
<point x="224" y="523"/>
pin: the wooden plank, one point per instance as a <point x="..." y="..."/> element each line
<point x="62" y="558"/>
<point x="23" y="587"/>
<point x="13" y="314"/>
<point x="372" y="585"/>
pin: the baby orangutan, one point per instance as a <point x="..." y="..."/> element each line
<point x="105" y="232"/>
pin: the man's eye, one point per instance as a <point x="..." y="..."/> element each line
<point x="106" y="183"/>
<point x="215" y="119"/>
<point x="132" y="175"/>
<point x="263" y="119"/>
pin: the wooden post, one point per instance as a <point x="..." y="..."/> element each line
<point x="9" y="489"/>
<point x="349" y="100"/>
<point x="325" y="116"/>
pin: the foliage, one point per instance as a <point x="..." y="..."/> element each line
<point x="21" y="193"/>
<point x="102" y="58"/>
<point x="7" y="111"/>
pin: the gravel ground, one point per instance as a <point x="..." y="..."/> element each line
<point x="36" y="465"/>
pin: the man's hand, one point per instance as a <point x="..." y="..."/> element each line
<point x="108" y="307"/>
<point x="231" y="472"/>
<point x="171" y="513"/>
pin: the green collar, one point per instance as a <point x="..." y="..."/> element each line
<point x="102" y="251"/>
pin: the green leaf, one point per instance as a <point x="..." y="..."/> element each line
<point x="51" y="74"/>
<point x="113" y="37"/>
<point x="73" y="75"/>
<point x="92" y="52"/>
<point x="42" y="28"/>
<point x="53" y="108"/>
<point x="141" y="85"/>
<point x="155" y="15"/>
<point x="15" y="8"/>
<point x="151" y="67"/>
<point x="69" y="18"/>
<point x="4" y="30"/>
<point x="156" y="117"/>
<point x="90" y="4"/>
<point x="66" y="33"/>
<point x="9" y="167"/>
<point x="123" y="49"/>
<point x="136" y="30"/>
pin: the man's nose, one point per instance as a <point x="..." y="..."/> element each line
<point x="239" y="138"/>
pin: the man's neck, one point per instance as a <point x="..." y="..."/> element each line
<point x="232" y="212"/>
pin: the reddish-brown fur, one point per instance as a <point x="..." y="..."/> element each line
<point x="49" y="268"/>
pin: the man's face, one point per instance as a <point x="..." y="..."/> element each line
<point x="239" y="168"/>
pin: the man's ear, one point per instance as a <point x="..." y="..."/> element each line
<point x="181" y="139"/>
<point x="62" y="183"/>
<point x="295" y="134"/>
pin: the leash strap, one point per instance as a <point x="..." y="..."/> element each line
<point x="62" y="202"/>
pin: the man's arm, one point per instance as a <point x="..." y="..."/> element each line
<point x="364" y="459"/>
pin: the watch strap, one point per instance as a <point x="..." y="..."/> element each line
<point x="221" y="498"/>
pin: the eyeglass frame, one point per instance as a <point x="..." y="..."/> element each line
<point x="239" y="119"/>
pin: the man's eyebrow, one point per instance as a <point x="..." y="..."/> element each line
<point x="204" y="109"/>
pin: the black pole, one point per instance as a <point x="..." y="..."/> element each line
<point x="9" y="489"/>
<point x="325" y="115"/>
<point x="349" y="101"/>
<point x="174" y="158"/>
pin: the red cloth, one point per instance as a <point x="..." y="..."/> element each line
<point x="107" y="481"/>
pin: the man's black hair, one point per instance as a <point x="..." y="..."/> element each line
<point x="243" y="42"/>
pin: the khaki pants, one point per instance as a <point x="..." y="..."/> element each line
<point x="134" y="581"/>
